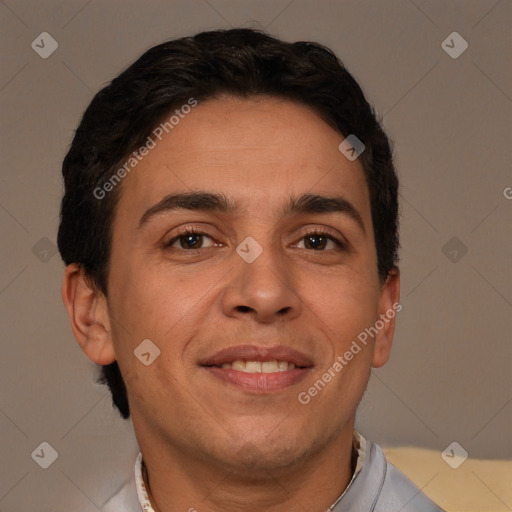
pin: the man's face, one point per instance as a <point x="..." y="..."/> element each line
<point x="205" y="304"/>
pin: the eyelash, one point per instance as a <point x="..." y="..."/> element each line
<point x="190" y="230"/>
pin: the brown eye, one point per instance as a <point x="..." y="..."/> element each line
<point x="315" y="242"/>
<point x="319" y="241"/>
<point x="190" y="240"/>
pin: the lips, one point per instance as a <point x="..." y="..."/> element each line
<point x="258" y="353"/>
<point x="258" y="369"/>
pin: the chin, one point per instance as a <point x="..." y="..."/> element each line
<point x="258" y="463"/>
<point x="273" y="452"/>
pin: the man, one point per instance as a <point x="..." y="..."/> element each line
<point x="229" y="227"/>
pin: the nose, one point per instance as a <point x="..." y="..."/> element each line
<point x="264" y="289"/>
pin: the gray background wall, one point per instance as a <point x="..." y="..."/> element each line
<point x="449" y="378"/>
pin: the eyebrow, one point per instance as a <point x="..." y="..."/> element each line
<point x="208" y="201"/>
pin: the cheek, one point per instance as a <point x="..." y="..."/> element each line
<point x="165" y="308"/>
<point x="346" y="304"/>
<point x="148" y="302"/>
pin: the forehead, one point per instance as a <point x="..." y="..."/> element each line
<point x="256" y="151"/>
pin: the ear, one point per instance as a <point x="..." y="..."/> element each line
<point x="389" y="306"/>
<point x="88" y="312"/>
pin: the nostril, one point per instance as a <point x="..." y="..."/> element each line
<point x="243" y="309"/>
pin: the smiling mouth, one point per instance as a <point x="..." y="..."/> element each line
<point x="272" y="366"/>
<point x="257" y="369"/>
<point x="258" y="377"/>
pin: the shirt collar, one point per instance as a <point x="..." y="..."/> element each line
<point x="142" y="493"/>
<point x="358" y="447"/>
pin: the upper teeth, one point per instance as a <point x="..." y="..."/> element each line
<point x="259" y="366"/>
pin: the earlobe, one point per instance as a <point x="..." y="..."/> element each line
<point x="88" y="313"/>
<point x="389" y="306"/>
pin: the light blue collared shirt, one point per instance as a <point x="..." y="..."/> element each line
<point x="376" y="486"/>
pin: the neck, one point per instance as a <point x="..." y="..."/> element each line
<point x="196" y="486"/>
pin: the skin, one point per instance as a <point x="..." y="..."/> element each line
<point x="206" y="443"/>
